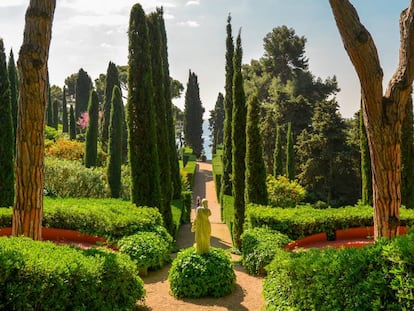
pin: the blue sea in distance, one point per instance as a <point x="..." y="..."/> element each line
<point x="207" y="142"/>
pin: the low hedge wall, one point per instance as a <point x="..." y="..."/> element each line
<point x="217" y="164"/>
<point x="378" y="277"/>
<point x="111" y="219"/>
<point x="227" y="211"/>
<point x="43" y="276"/>
<point x="304" y="220"/>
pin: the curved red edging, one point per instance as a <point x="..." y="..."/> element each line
<point x="352" y="237"/>
<point x="64" y="236"/>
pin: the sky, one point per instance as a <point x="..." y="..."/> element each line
<point x="89" y="33"/>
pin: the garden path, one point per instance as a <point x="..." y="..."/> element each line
<point x="248" y="293"/>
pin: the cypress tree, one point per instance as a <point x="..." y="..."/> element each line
<point x="65" y="123"/>
<point x="115" y="139"/>
<point x="91" y="140"/>
<point x="407" y="158"/>
<point x="55" y="114"/>
<point x="366" y="174"/>
<point x="277" y="155"/>
<point x="161" y="117"/>
<point x="124" y="136"/>
<point x="112" y="80"/>
<point x="72" y="124"/>
<point x="193" y="115"/>
<point x="6" y="136"/>
<point x="256" y="191"/>
<point x="290" y="154"/>
<point x="226" y="186"/>
<point x="173" y="155"/>
<point x="239" y="144"/>
<point x="83" y="87"/>
<point x="143" y="153"/>
<point x="14" y="88"/>
<point x="216" y="122"/>
<point x="49" y="111"/>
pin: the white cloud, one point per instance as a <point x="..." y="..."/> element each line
<point x="98" y="20"/>
<point x="193" y="2"/>
<point x="192" y="24"/>
<point x="13" y="3"/>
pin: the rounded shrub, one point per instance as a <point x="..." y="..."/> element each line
<point x="283" y="192"/>
<point x="149" y="250"/>
<point x="206" y="275"/>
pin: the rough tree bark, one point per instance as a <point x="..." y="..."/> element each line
<point x="32" y="66"/>
<point x="383" y="113"/>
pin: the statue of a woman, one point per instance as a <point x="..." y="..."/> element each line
<point x="202" y="228"/>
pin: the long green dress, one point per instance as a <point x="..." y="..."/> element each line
<point x="202" y="228"/>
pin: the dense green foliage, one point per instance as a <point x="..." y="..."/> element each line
<point x="149" y="250"/>
<point x="284" y="193"/>
<point x="216" y="123"/>
<point x="65" y="118"/>
<point x="366" y="174"/>
<point x="277" y="155"/>
<point x="72" y="124"/>
<point x="160" y="104"/>
<point x="290" y="154"/>
<point x="92" y="131"/>
<point x="377" y="277"/>
<point x="305" y="220"/>
<point x="111" y="80"/>
<point x="49" y="109"/>
<point x="193" y="115"/>
<point x="407" y="157"/>
<point x="115" y="142"/>
<point x="6" y="135"/>
<point x="255" y="191"/>
<point x="83" y="88"/>
<point x="142" y="139"/>
<point x="14" y="88"/>
<point x="208" y="275"/>
<point x="259" y="246"/>
<point x="43" y="276"/>
<point x="238" y="144"/>
<point x="226" y="185"/>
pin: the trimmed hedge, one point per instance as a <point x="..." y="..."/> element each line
<point x="258" y="248"/>
<point x="304" y="220"/>
<point x="207" y="275"/>
<point x="112" y="219"/>
<point x="43" y="276"/>
<point x="227" y="211"/>
<point x="378" y="277"/>
<point x="217" y="164"/>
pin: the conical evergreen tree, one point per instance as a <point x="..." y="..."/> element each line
<point x="65" y="123"/>
<point x="407" y="158"/>
<point x="290" y="154"/>
<point x="173" y="155"/>
<point x="193" y="115"/>
<point x="256" y="191"/>
<point x="6" y="136"/>
<point x="161" y="117"/>
<point x="55" y="114"/>
<point x="226" y="186"/>
<point x="239" y="144"/>
<point x="83" y="88"/>
<point x="14" y="88"/>
<point x="366" y="174"/>
<point x="72" y="124"/>
<point x="277" y="156"/>
<point x="216" y="123"/>
<point x="49" y="111"/>
<point x="115" y="143"/>
<point x="91" y="143"/>
<point x="143" y="153"/>
<point x="112" y="80"/>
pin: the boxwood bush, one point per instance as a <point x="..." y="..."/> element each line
<point x="206" y="275"/>
<point x="305" y="220"/>
<point x="258" y="248"/>
<point x="149" y="250"/>
<point x="378" y="277"/>
<point x="43" y="276"/>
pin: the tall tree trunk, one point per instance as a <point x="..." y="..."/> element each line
<point x="383" y="114"/>
<point x="32" y="66"/>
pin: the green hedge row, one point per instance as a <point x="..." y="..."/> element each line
<point x="43" y="276"/>
<point x="112" y="219"/>
<point x="217" y="164"/>
<point x="188" y="166"/>
<point x="378" y="277"/>
<point x="227" y="211"/>
<point x="304" y="220"/>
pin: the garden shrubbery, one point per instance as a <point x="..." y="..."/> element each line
<point x="378" y="277"/>
<point x="207" y="275"/>
<point x="305" y="220"/>
<point x="43" y="276"/>
<point x="259" y="246"/>
<point x="283" y="192"/>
